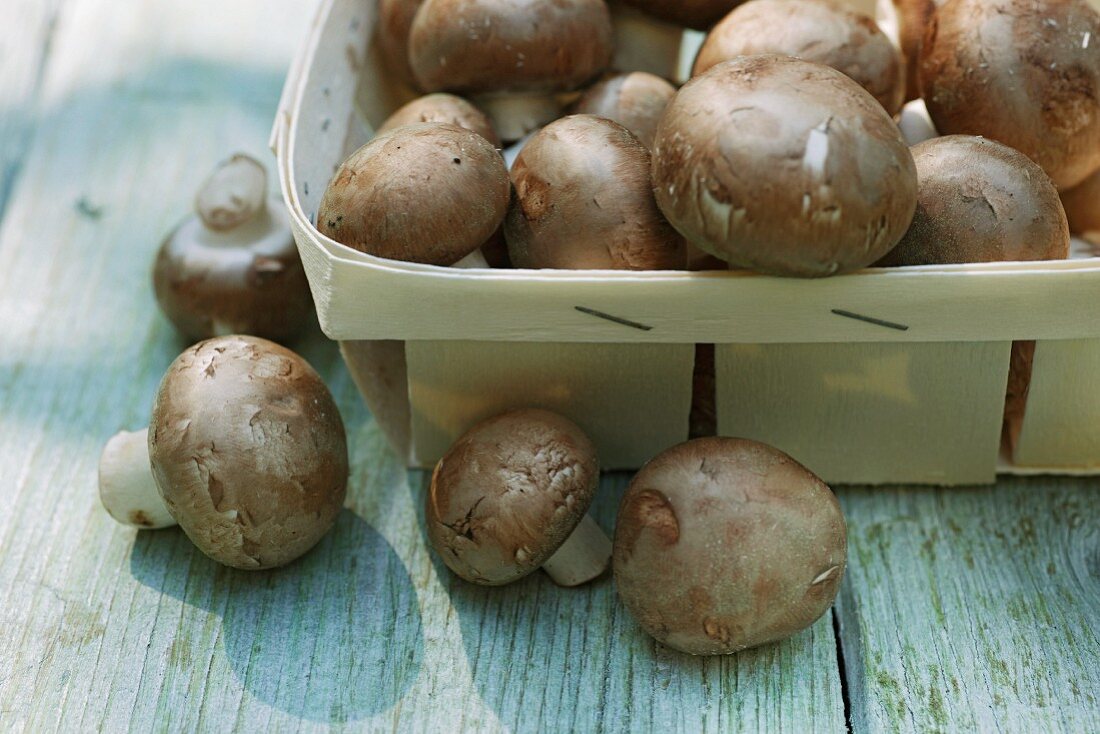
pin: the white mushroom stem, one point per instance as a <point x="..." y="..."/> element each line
<point x="643" y="43"/>
<point x="234" y="194"/>
<point x="887" y="17"/>
<point x="515" y="115"/>
<point x="474" y="260"/>
<point x="915" y="123"/>
<point x="583" y="556"/>
<point x="126" y="486"/>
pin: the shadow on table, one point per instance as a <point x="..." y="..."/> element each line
<point x="314" y="639"/>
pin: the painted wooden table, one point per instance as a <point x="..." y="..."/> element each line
<point x="974" y="609"/>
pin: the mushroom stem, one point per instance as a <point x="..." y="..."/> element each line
<point x="583" y="556"/>
<point x="643" y="43"/>
<point x="126" y="486"/>
<point x="475" y="259"/>
<point x="515" y="115"/>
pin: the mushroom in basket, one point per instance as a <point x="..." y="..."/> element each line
<point x="512" y="57"/>
<point x="512" y="495"/>
<point x="233" y="267"/>
<point x="635" y="100"/>
<point x="245" y="450"/>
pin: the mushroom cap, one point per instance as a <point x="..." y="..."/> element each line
<point x="584" y="201"/>
<point x="723" y="544"/>
<point x="635" y="100"/>
<point x="244" y="280"/>
<point x="700" y="14"/>
<point x="980" y="201"/>
<point x="508" y="493"/>
<point x="427" y="193"/>
<point x="785" y="167"/>
<point x="395" y="19"/>
<point x="822" y="31"/>
<point x="484" y="46"/>
<point x="248" y="451"/>
<point x="443" y="108"/>
<point x="1025" y="73"/>
<point x="1082" y="205"/>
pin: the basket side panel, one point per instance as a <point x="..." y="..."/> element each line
<point x="632" y="399"/>
<point x="379" y="371"/>
<point x="1061" y="423"/>
<point x="870" y="413"/>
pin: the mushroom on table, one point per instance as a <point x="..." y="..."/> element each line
<point x="512" y="495"/>
<point x="245" y="450"/>
<point x="723" y="544"/>
<point x="233" y="267"/>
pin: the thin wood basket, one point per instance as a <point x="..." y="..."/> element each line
<point x="882" y="376"/>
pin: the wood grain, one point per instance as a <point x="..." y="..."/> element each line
<point x="974" y="610"/>
<point x="109" y="629"/>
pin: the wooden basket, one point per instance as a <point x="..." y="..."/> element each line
<point x="877" y="377"/>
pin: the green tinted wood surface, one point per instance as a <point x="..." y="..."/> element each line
<point x="110" y="115"/>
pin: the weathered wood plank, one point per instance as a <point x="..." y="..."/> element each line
<point x="25" y="39"/>
<point x="974" y="609"/>
<point x="108" y="629"/>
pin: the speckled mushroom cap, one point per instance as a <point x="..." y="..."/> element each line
<point x="635" y="100"/>
<point x="481" y="46"/>
<point x="785" y="167"/>
<point x="395" y="19"/>
<point x="248" y="451"/>
<point x="508" y="494"/>
<point x="427" y="193"/>
<point x="723" y="544"/>
<point x="584" y="201"/>
<point x="980" y="201"/>
<point x="700" y="14"/>
<point x="1082" y="205"/>
<point x="822" y="31"/>
<point x="1023" y="72"/>
<point x="442" y="108"/>
<point x="245" y="280"/>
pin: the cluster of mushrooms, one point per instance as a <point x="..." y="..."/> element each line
<point x="787" y="152"/>
<point x="721" y="544"/>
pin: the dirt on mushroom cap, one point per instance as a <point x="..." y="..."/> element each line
<point x="1023" y="72"/>
<point x="980" y="201"/>
<point x="723" y="544"/>
<point x="509" y="493"/>
<point x="812" y="177"/>
<point x="583" y="200"/>
<point x="428" y="193"/>
<point x="248" y="451"/>
<point x="821" y="31"/>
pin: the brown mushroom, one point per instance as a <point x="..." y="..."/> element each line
<point x="511" y="496"/>
<point x="644" y="43"/>
<point x="822" y="31"/>
<point x="980" y="201"/>
<point x="247" y="451"/>
<point x="1082" y="204"/>
<point x="783" y="166"/>
<point x="699" y="14"/>
<point x="395" y="19"/>
<point x="635" y="100"/>
<point x="723" y="544"/>
<point x="427" y="193"/>
<point x="442" y="108"/>
<point x="584" y="201"/>
<point x="511" y="56"/>
<point x="233" y="265"/>
<point x="1025" y="73"/>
